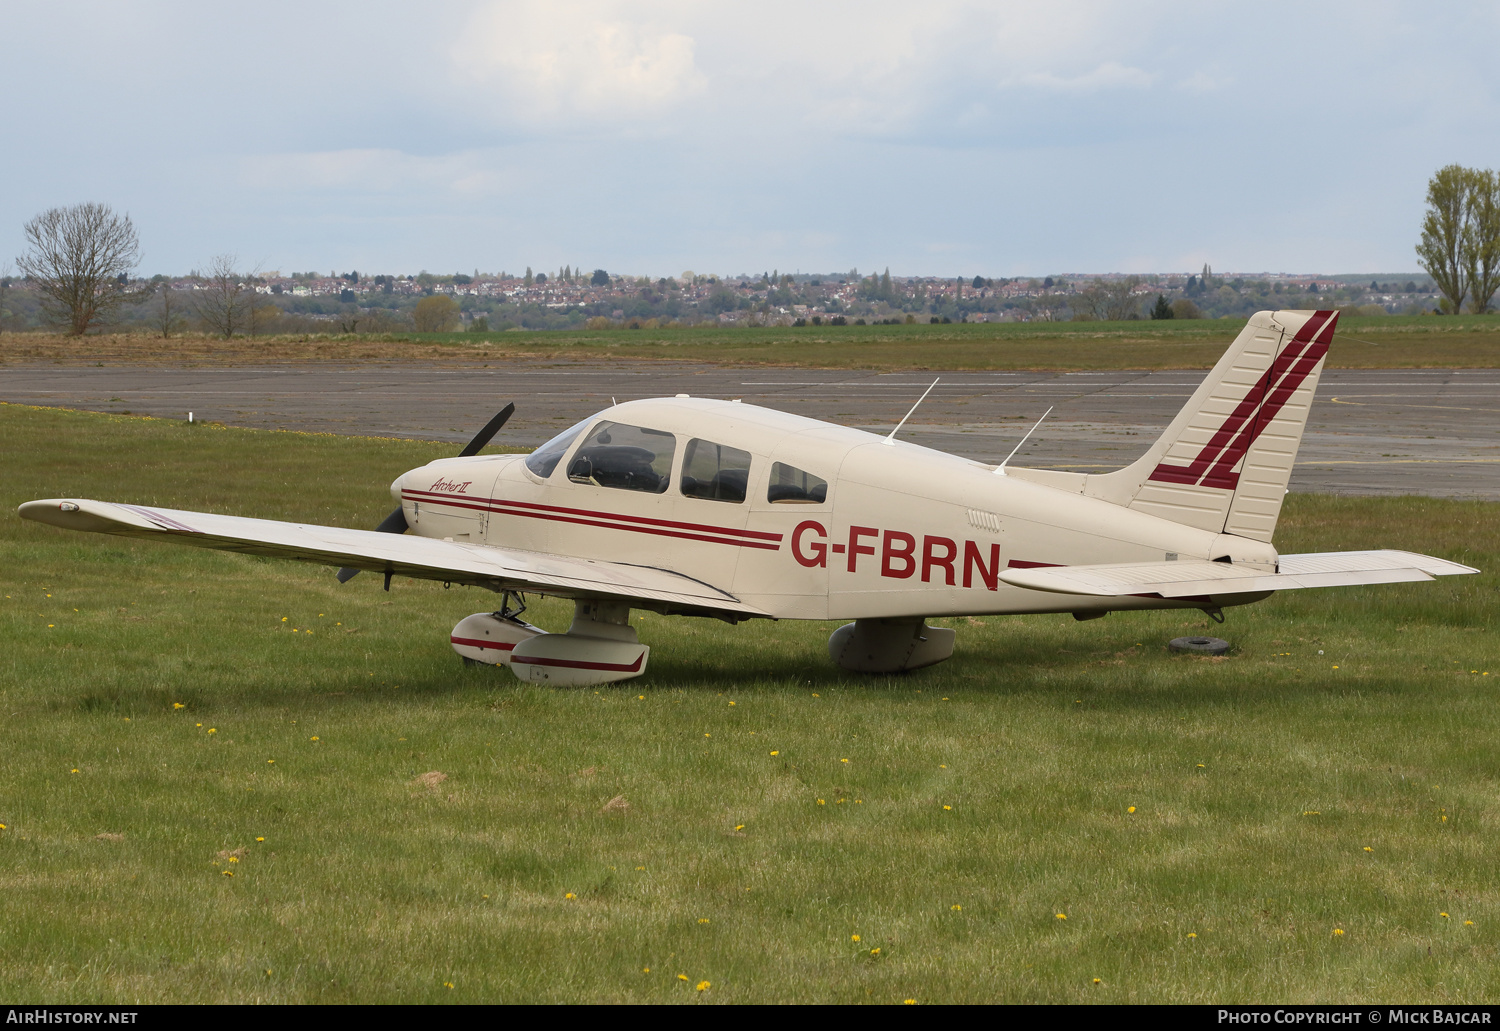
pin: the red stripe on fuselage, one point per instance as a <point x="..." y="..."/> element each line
<point x="607" y="520"/>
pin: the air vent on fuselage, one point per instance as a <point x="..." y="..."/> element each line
<point x="984" y="520"/>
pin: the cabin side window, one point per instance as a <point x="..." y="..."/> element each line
<point x="625" y="458"/>
<point x="545" y="458"/>
<point x="715" y="472"/>
<point x="792" y="486"/>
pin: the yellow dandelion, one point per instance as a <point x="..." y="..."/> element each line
<point x="640" y="698"/>
<point x="1192" y="934"/>
<point x="956" y="908"/>
<point x="1098" y="981"/>
<point x="1130" y="809"/>
<point x="234" y="859"/>
<point x="1338" y="932"/>
<point x="1062" y="916"/>
<point x="942" y="766"/>
<point x="645" y="970"/>
<point x="74" y="770"/>
<point x="1201" y="766"/>
<point x="703" y="919"/>
<point x="739" y="826"/>
<point x="640" y="868"/>
<point x="320" y="615"/>
<point x="731" y="703"/>
<point x="260" y="839"/>
<point x="775" y="753"/>
<point x="197" y="724"/>
<point x="875" y="951"/>
<point x="1443" y="915"/>
<point x="211" y="730"/>
<point x="708" y="735"/>
<point x="2" y="826"/>
<point x="227" y="873"/>
<point x="854" y="937"/>
<point x="313" y="738"/>
<point x="570" y="895"/>
<point x="704" y="986"/>
<point x="1468" y="923"/>
<point x="908" y="1002"/>
<point x="1369" y="849"/>
<point x="447" y="984"/>
<point x="283" y="619"/>
<point x="843" y="760"/>
<point x="820" y="801"/>
<point x="682" y="977"/>
<point x="947" y="807"/>
<point x="270" y="760"/>
<point x="178" y="705"/>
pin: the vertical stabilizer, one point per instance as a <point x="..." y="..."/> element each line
<point x="1224" y="463"/>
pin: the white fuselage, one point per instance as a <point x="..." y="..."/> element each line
<point x="902" y="530"/>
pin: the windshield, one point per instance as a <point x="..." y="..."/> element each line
<point x="545" y="458"/>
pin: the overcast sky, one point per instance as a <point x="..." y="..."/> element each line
<point x="935" y="138"/>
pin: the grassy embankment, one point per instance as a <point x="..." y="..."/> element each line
<point x="1393" y="342"/>
<point x="1335" y="773"/>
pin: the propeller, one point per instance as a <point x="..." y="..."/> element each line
<point x="396" y="521"/>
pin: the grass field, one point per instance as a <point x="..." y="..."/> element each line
<point x="231" y="779"/>
<point x="1361" y="343"/>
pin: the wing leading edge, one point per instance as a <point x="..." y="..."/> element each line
<point x="421" y="558"/>
<point x="1196" y="578"/>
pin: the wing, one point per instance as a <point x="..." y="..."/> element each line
<point x="499" y="569"/>
<point x="1196" y="578"/>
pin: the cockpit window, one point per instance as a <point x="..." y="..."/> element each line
<point x="625" y="457"/>
<point x="792" y="486"/>
<point x="545" y="458"/>
<point x="715" y="472"/>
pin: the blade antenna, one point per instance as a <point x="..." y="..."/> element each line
<point x="1000" y="469"/>
<point x="891" y="440"/>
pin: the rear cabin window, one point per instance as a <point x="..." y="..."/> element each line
<point x="545" y="458"/>
<point x="792" y="486"/>
<point x="715" y="472"/>
<point x="625" y="458"/>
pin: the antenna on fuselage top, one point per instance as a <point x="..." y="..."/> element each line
<point x="891" y="440"/>
<point x="1000" y="469"/>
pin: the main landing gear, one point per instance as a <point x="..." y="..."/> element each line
<point x="889" y="645"/>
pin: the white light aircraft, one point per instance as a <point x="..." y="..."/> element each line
<point x="702" y="507"/>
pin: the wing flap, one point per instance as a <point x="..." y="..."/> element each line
<point x="401" y="554"/>
<point x="1197" y="578"/>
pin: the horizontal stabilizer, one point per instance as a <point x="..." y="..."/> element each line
<point x="422" y="558"/>
<point x="1197" y="577"/>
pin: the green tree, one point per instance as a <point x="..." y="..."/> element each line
<point x="435" y="314"/>
<point x="529" y="277"/>
<point x="1444" y="228"/>
<point x="1482" y="241"/>
<point x="599" y="278"/>
<point x="1161" y="309"/>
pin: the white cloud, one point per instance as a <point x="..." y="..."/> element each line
<point x="367" y="171"/>
<point x="1109" y="75"/>
<point x="576" y="58"/>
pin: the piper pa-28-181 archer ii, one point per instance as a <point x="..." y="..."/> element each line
<point x="704" y="507"/>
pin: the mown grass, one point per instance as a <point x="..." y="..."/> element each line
<point x="1280" y="794"/>
<point x="1362" y="343"/>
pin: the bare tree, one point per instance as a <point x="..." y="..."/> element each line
<point x="1444" y="228"/>
<point x="1091" y="302"/>
<point x="168" y="314"/>
<point x="224" y="298"/>
<point x="1482" y="246"/>
<point x="1120" y="302"/>
<point x="79" y="260"/>
<point x="4" y="297"/>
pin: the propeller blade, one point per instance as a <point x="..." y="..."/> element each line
<point x="490" y="429"/>
<point x="393" y="523"/>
